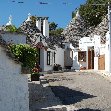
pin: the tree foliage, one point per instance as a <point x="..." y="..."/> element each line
<point x="56" y="33"/>
<point x="25" y="54"/>
<point x="54" y="30"/>
<point x="52" y="26"/>
<point x="33" y="18"/>
<point x="92" y="13"/>
<point x="11" y="28"/>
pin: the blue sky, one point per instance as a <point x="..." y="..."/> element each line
<point x="55" y="9"/>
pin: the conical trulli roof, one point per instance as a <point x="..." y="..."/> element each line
<point x="101" y="29"/>
<point x="76" y="29"/>
<point x="32" y="32"/>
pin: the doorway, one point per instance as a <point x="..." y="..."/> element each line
<point x="91" y="58"/>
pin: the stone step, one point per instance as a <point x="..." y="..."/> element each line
<point x="59" y="108"/>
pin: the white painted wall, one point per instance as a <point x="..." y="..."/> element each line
<point x="14" y="38"/>
<point x="47" y="67"/>
<point x="13" y="85"/>
<point x="84" y="44"/>
<point x="68" y="45"/>
<point x="59" y="56"/>
<point x="76" y="64"/>
<point x="45" y="28"/>
<point x="96" y="63"/>
<point x="100" y="49"/>
<point x="107" y="52"/>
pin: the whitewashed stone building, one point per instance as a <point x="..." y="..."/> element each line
<point x="14" y="95"/>
<point x="91" y="47"/>
<point x="50" y="53"/>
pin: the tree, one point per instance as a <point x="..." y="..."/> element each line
<point x="93" y="14"/>
<point x="33" y="18"/>
<point x="52" y="26"/>
<point x="11" y="28"/>
<point x="56" y="32"/>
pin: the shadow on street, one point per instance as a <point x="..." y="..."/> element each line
<point x="69" y="96"/>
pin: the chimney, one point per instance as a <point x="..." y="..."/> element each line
<point x="38" y="23"/>
<point x="45" y="27"/>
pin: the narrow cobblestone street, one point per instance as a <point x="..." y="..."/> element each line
<point x="87" y="91"/>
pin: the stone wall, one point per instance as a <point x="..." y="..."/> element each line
<point x="14" y="38"/>
<point x="13" y="85"/>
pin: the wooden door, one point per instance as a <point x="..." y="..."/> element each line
<point x="91" y="59"/>
<point x="101" y="62"/>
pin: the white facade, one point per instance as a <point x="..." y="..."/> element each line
<point x="14" y="95"/>
<point x="99" y="49"/>
<point x="107" y="54"/>
<point x="59" y="58"/>
<point x="76" y="64"/>
<point x="14" y="38"/>
<point x="59" y="52"/>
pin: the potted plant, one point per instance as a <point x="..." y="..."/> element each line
<point x="35" y="76"/>
<point x="57" y="67"/>
<point x="35" y="73"/>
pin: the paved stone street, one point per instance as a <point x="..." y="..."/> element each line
<point x="87" y="91"/>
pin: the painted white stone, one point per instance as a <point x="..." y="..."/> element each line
<point x="68" y="45"/>
<point x="14" y="38"/>
<point x="76" y="64"/>
<point x="95" y="63"/>
<point x="85" y="42"/>
<point x="38" y="24"/>
<point x="29" y="17"/>
<point x="45" y="28"/>
<point x="107" y="53"/>
<point x="13" y="85"/>
<point x="59" y="56"/>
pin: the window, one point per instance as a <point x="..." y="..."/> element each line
<point x="42" y="27"/>
<point x="49" y="58"/>
<point x="82" y="56"/>
<point x="54" y="56"/>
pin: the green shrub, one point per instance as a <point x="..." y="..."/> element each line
<point x="25" y="54"/>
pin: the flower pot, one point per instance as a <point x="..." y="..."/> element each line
<point x="35" y="77"/>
